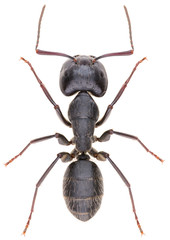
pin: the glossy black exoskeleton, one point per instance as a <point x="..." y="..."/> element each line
<point x="83" y="184"/>
<point x="83" y="74"/>
<point x="83" y="188"/>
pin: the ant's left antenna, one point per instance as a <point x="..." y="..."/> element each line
<point x="42" y="52"/>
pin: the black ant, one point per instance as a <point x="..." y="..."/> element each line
<point x="83" y="184"/>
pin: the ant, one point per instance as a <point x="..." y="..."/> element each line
<point x="83" y="183"/>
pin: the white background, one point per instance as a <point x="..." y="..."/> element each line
<point x="85" y="27"/>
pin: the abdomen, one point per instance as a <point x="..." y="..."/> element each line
<point x="83" y="189"/>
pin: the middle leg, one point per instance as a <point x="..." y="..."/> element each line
<point x="61" y="139"/>
<point x="106" y="136"/>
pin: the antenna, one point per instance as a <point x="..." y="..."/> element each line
<point x="42" y="52"/>
<point x="124" y="53"/>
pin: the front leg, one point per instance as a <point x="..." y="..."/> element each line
<point x="56" y="106"/>
<point x="110" y="106"/>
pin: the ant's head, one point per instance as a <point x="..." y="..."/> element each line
<point x="83" y="73"/>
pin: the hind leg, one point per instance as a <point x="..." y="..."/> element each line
<point x="105" y="156"/>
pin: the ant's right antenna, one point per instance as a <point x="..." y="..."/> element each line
<point x="124" y="53"/>
<point x="130" y="29"/>
<point x="42" y="52"/>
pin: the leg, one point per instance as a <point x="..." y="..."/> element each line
<point x="106" y="136"/>
<point x="110" y="107"/>
<point x="106" y="156"/>
<point x="56" y="107"/>
<point x="36" y="189"/>
<point x="67" y="157"/>
<point x="61" y="139"/>
<point x="129" y="187"/>
<point x="98" y="155"/>
<point x="63" y="156"/>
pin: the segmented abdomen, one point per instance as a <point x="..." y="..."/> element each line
<point x="83" y="189"/>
